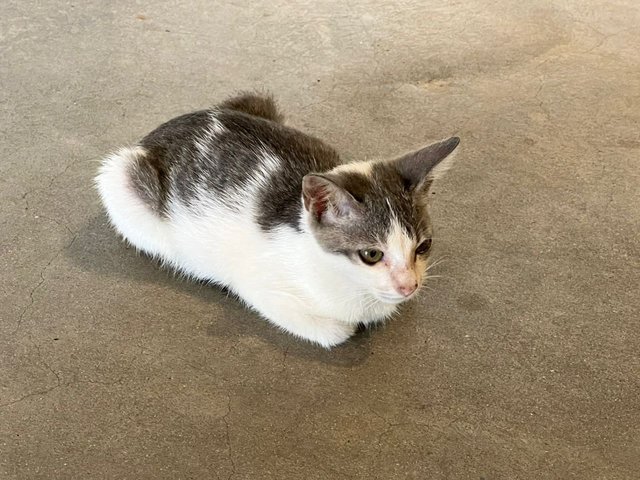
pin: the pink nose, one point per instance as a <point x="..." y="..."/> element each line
<point x="407" y="290"/>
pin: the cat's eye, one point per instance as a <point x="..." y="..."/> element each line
<point x="424" y="247"/>
<point x="370" y="256"/>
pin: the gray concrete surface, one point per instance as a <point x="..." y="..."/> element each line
<point x="521" y="361"/>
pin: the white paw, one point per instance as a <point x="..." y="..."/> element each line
<point x="326" y="332"/>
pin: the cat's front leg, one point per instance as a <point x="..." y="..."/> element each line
<point x="324" y="331"/>
<point x="292" y="313"/>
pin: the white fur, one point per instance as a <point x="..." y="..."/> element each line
<point x="214" y="128"/>
<point x="126" y="210"/>
<point x="400" y="261"/>
<point x="284" y="275"/>
<point x="364" y="168"/>
<point x="399" y="245"/>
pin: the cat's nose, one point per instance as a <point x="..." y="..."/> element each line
<point x="405" y="281"/>
<point x="407" y="290"/>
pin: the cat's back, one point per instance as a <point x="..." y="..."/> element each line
<point x="205" y="190"/>
<point x="231" y="157"/>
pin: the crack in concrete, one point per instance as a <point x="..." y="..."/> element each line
<point x="60" y="224"/>
<point x="600" y="43"/>
<point x="24" y="197"/>
<point x="51" y="182"/>
<point x="29" y="395"/>
<point x="603" y="36"/>
<point x="65" y="170"/>
<point x="40" y="283"/>
<point x="389" y="426"/>
<point x="224" y="417"/>
<point x="40" y="392"/>
<point x="284" y="359"/>
<point x="119" y="381"/>
<point x="541" y="104"/>
<point x="197" y="368"/>
<point x="59" y="383"/>
<point x="45" y="363"/>
<point x="48" y="366"/>
<point x="31" y="300"/>
<point x="229" y="449"/>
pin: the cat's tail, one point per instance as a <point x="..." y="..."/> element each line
<point x="259" y="105"/>
<point x="128" y="205"/>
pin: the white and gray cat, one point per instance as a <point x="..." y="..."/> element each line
<point x="232" y="196"/>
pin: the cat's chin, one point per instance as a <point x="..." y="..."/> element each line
<point x="391" y="299"/>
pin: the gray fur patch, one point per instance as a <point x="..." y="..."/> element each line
<point x="186" y="156"/>
<point x="216" y="151"/>
<point x="263" y="106"/>
<point x="393" y="190"/>
<point x="383" y="197"/>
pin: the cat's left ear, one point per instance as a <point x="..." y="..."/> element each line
<point x="326" y="200"/>
<point x="420" y="168"/>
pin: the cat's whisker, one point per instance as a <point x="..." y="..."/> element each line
<point x="436" y="262"/>
<point x="445" y="277"/>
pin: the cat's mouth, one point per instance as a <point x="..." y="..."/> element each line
<point x="391" y="298"/>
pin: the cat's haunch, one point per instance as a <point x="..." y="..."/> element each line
<point x="232" y="196"/>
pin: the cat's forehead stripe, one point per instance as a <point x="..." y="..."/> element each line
<point x="400" y="246"/>
<point x="363" y="168"/>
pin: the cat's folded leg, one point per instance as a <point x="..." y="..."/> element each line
<point x="293" y="317"/>
<point x="326" y="332"/>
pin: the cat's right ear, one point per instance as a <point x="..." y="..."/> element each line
<point x="327" y="202"/>
<point x="420" y="168"/>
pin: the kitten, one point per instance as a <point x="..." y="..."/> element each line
<point x="232" y="196"/>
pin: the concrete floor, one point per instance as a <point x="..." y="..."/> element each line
<point x="521" y="361"/>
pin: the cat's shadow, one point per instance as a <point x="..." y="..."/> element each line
<point x="97" y="249"/>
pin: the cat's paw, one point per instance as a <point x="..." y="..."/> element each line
<point x="327" y="332"/>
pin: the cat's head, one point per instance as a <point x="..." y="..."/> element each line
<point x="374" y="216"/>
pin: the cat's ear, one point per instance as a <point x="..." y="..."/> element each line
<point x="420" y="168"/>
<point x="327" y="202"/>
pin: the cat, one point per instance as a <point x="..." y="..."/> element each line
<point x="232" y="196"/>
